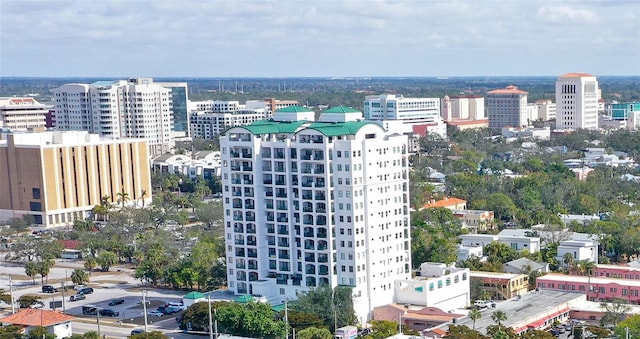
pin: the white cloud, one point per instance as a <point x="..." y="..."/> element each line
<point x="566" y="14"/>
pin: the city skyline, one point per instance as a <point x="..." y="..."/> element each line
<point x="318" y="39"/>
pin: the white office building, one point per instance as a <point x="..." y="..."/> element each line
<point x="310" y="202"/>
<point x="546" y="109"/>
<point x="214" y="117"/>
<point x="416" y="115"/>
<point x="134" y="108"/>
<point x="507" y="107"/>
<point x="577" y="97"/>
<point x="23" y="114"/>
<point x="435" y="285"/>
<point x="467" y="107"/>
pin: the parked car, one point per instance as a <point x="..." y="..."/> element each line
<point x="155" y="313"/>
<point x="137" y="331"/>
<point x="115" y="302"/>
<point x="49" y="289"/>
<point x="79" y="287"/>
<point x="77" y="297"/>
<point x="86" y="290"/>
<point x="109" y="313"/>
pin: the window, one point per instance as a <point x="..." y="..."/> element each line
<point x="35" y="193"/>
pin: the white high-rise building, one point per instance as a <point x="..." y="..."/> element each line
<point x="135" y="108"/>
<point x="418" y="115"/>
<point x="310" y="202"/>
<point x="507" y="107"/>
<point x="577" y="96"/>
<point x="463" y="107"/>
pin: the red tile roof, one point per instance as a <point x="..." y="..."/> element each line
<point x="508" y="90"/>
<point x="576" y="75"/>
<point x="71" y="244"/>
<point x="446" y="202"/>
<point x="36" y="317"/>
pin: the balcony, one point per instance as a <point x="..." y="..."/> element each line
<point x="307" y="209"/>
<point x="239" y="242"/>
<point x="247" y="155"/>
<point x="240" y="265"/>
<point x="268" y="193"/>
<point x="284" y="256"/>
<point x="306" y="156"/>
<point x="251" y="242"/>
<point x="280" y="182"/>
<point x="251" y="218"/>
<point x="308" y="234"/>
<point x="281" y="195"/>
<point x="235" y="167"/>
<point x="237" y="205"/>
<point x="236" y="193"/>
<point x="283" y="243"/>
<point x="283" y="219"/>
<point x="306" y="170"/>
<point x="268" y="182"/>
<point x="307" y="221"/>
<point x="319" y="170"/>
<point x="253" y="266"/>
<point x="271" y="242"/>
<point x="237" y="217"/>
<point x="280" y="169"/>
<point x="248" y="193"/>
<point x="249" y="207"/>
<point x="323" y="258"/>
<point x="278" y="155"/>
<point x="271" y="230"/>
<point x="320" y="196"/>
<point x="269" y="206"/>
<point x="238" y="229"/>
<point x="307" y="196"/>
<point x="235" y="154"/>
<point x="247" y="168"/>
<point x="247" y="182"/>
<point x="322" y="235"/>
<point x="252" y="253"/>
<point x="309" y="246"/>
<point x="310" y="270"/>
<point x="282" y="207"/>
<point x="266" y="168"/>
<point x="307" y="184"/>
<point x="283" y="230"/>
<point x="251" y="230"/>
<point x="235" y="181"/>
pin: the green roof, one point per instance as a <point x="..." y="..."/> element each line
<point x="193" y="295"/>
<point x="271" y="127"/>
<point x="245" y="299"/>
<point x="331" y="129"/>
<point x="278" y="308"/>
<point x="341" y="109"/>
<point x="294" y="109"/>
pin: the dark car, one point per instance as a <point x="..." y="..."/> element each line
<point x="86" y="290"/>
<point x="137" y="331"/>
<point x="166" y="310"/>
<point x="115" y="302"/>
<point x="109" y="313"/>
<point x="49" y="289"/>
<point x="77" y="297"/>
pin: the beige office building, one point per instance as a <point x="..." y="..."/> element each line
<point x="23" y="114"/>
<point x="59" y="177"/>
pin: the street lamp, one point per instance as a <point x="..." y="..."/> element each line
<point x="144" y="308"/>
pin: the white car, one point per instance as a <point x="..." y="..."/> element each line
<point x="155" y="314"/>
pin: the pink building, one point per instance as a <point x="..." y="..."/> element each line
<point x="616" y="271"/>
<point x="596" y="288"/>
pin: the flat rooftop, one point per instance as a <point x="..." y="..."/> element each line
<point x="586" y="280"/>
<point x="528" y="309"/>
<point x="498" y="275"/>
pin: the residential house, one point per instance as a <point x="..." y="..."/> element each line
<point x="416" y="318"/>
<point x="55" y="323"/>
<point x="466" y="252"/>
<point x="476" y="220"/>
<point x="448" y="202"/>
<point x="518" y="239"/>
<point x="579" y="249"/>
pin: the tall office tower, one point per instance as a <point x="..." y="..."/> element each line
<point x="135" y="108"/>
<point x="394" y="111"/>
<point x="23" y="114"/>
<point x="58" y="177"/>
<point x="577" y="96"/>
<point x="310" y="202"/>
<point x="179" y="100"/>
<point x="507" y="107"/>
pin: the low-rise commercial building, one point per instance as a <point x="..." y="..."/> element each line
<point x="502" y="286"/>
<point x="55" y="323"/>
<point x="596" y="288"/>
<point x="435" y="285"/>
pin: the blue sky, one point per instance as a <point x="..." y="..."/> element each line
<point x="208" y="38"/>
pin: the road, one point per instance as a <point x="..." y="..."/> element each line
<point x="124" y="332"/>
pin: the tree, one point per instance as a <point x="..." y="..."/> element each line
<point x="123" y="197"/>
<point x="43" y="268"/>
<point x="463" y="332"/>
<point x="90" y="264"/>
<point x="499" y="317"/>
<point x="82" y="226"/>
<point x="26" y="300"/>
<point x="474" y="315"/>
<point x="615" y="311"/>
<point x="20" y="225"/>
<point x="631" y="324"/>
<point x="301" y="320"/>
<point x="381" y="329"/>
<point x="322" y="300"/>
<point x="537" y="334"/>
<point x="86" y="335"/>
<point x="106" y="259"/>
<point x="150" y="335"/>
<point x="314" y="333"/>
<point x="11" y="332"/>
<point x="568" y="260"/>
<point x="30" y="269"/>
<point x="253" y="319"/>
<point x="143" y="195"/>
<point x="40" y="332"/>
<point x="79" y="276"/>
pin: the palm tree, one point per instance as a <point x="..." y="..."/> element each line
<point x="568" y="260"/>
<point x="587" y="267"/>
<point x="475" y="314"/>
<point x="123" y="197"/>
<point x="498" y="317"/>
<point x="79" y="276"/>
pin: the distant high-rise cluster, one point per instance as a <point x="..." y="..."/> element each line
<point x="136" y="108"/>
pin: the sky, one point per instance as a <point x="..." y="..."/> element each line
<point x="306" y="38"/>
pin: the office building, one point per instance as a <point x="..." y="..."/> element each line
<point x="507" y="107"/>
<point x="134" y="108"/>
<point x="577" y="96"/>
<point x="179" y="100"/>
<point x="275" y="104"/>
<point x="464" y="107"/>
<point x="58" y="177"/>
<point x="410" y="116"/>
<point x="311" y="202"/>
<point x="214" y="117"/>
<point x="23" y="114"/>
<point x="546" y="109"/>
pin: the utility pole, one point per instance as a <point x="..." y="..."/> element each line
<point x="210" y="317"/>
<point x="64" y="310"/>
<point x="286" y="318"/>
<point x="144" y="308"/>
<point x="98" y="320"/>
<point x="13" y="303"/>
